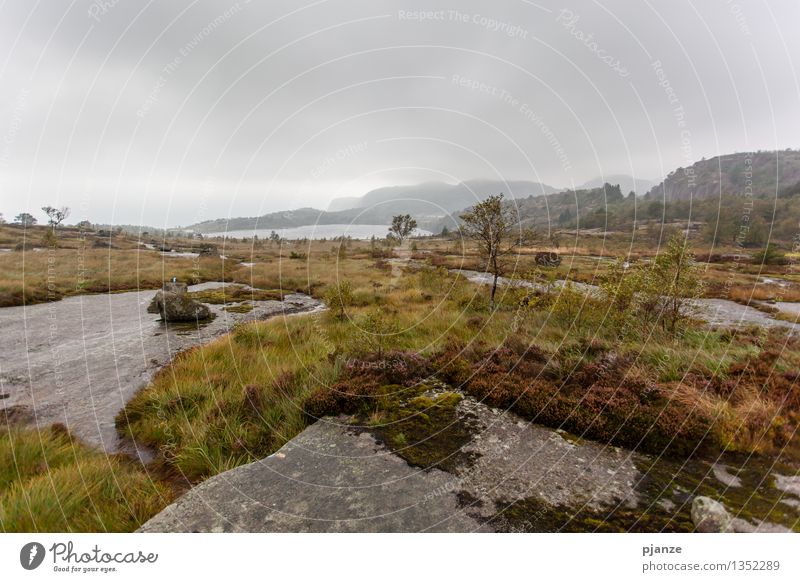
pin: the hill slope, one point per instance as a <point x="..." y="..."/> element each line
<point x="438" y="198"/>
<point x="729" y="174"/>
<point x="427" y="202"/>
<point x="626" y="183"/>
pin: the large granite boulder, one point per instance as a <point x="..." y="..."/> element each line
<point x="548" y="259"/>
<point x="173" y="304"/>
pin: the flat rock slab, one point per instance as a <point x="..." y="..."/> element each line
<point x="336" y="477"/>
<point x="333" y="477"/>
<point x="327" y="479"/>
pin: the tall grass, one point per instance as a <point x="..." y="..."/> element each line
<point x="51" y="483"/>
<point x="240" y="398"/>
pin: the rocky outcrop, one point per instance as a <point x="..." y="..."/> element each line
<point x="509" y="475"/>
<point x="763" y="172"/>
<point x="548" y="259"/>
<point x="710" y="516"/>
<point x="327" y="479"/>
<point x="174" y="305"/>
<point x="334" y="477"/>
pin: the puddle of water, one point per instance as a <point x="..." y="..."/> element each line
<point x="177" y="254"/>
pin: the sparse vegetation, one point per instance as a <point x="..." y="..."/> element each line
<point x="492" y="224"/>
<point x="25" y="219"/>
<point x="55" y="216"/>
<point x="339" y="297"/>
<point x="402" y="227"/>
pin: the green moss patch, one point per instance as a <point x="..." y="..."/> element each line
<point x="245" y="307"/>
<point x="236" y="294"/>
<point x="534" y="515"/>
<point x="425" y="430"/>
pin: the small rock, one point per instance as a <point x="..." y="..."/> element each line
<point x="666" y="504"/>
<point x="722" y="474"/>
<point x="788" y="483"/>
<point x="710" y="516"/>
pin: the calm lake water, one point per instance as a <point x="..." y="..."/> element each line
<point x="318" y="231"/>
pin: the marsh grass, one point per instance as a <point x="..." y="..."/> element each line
<point x="242" y="396"/>
<point x="50" y="275"/>
<point x="49" y="482"/>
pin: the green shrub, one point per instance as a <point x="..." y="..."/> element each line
<point x="339" y="297"/>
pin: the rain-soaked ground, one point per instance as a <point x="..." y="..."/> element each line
<point x="716" y="312"/>
<point x="79" y="360"/>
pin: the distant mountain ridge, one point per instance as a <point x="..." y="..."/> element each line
<point x="438" y="198"/>
<point x="769" y="172"/>
<point x="428" y="202"/>
<point x="558" y="210"/>
<point x="435" y="204"/>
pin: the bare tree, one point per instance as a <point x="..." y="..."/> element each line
<point x="402" y="227"/>
<point x="493" y="226"/>
<point x="55" y="216"/>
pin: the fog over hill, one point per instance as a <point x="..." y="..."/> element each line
<point x="439" y="198"/>
<point x="428" y="202"/>
<point x="436" y="204"/>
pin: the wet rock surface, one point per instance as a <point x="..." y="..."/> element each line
<point x="79" y="360"/>
<point x="510" y="475"/>
<point x="327" y="479"/>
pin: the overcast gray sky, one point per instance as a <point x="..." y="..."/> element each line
<point x="168" y="113"/>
